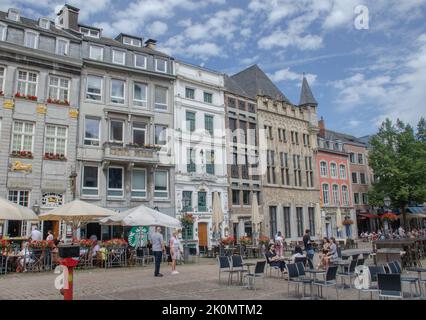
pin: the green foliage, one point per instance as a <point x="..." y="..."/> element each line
<point x="398" y="160"/>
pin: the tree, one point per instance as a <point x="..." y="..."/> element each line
<point x="398" y="160"/>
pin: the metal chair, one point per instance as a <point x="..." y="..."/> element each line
<point x="330" y="280"/>
<point x="395" y="268"/>
<point x="270" y="268"/>
<point x="237" y="266"/>
<point x="259" y="272"/>
<point x="296" y="277"/>
<point x="389" y="285"/>
<point x="349" y="273"/>
<point x="36" y="260"/>
<point x="374" y="270"/>
<point x="225" y="266"/>
<point x="3" y="264"/>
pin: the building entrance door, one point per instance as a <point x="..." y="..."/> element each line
<point x="202" y="234"/>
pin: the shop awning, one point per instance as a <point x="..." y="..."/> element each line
<point x="368" y="215"/>
<point x="415" y="210"/>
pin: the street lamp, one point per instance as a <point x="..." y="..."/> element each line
<point x="387" y="202"/>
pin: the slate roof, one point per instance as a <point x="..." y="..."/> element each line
<point x="255" y="82"/>
<point x="233" y="87"/>
<point x="306" y="96"/>
<point x="345" y="138"/>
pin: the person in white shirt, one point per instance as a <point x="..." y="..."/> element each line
<point x="49" y="236"/>
<point x="36" y="235"/>
<point x="175" y="251"/>
<point x="298" y="253"/>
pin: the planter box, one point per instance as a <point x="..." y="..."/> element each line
<point x="69" y="251"/>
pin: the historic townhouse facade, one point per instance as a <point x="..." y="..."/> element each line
<point x="40" y="70"/>
<point x="200" y="150"/>
<point x="242" y="151"/>
<point x="289" y="186"/>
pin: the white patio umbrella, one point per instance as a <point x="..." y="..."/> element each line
<point x="217" y="213"/>
<point x="318" y="221"/>
<point x="12" y="211"/>
<point x="339" y="223"/>
<point x="255" y="217"/>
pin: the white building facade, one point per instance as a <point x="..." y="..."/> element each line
<point x="200" y="151"/>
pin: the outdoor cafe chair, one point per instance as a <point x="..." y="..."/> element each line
<point x="395" y="268"/>
<point x="140" y="257"/>
<point x="237" y="266"/>
<point x="270" y="268"/>
<point x="3" y="264"/>
<point x="225" y="266"/>
<point x="259" y="272"/>
<point x="329" y="281"/>
<point x="389" y="285"/>
<point x="296" y="275"/>
<point x="374" y="271"/>
<point x="36" y="260"/>
<point x="348" y="273"/>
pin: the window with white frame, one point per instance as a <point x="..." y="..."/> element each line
<point x="115" y="182"/>
<point x="139" y="133"/>
<point x="118" y="57"/>
<point x="117" y="91"/>
<point x="161" y="184"/>
<point x="20" y="197"/>
<point x="89" y="32"/>
<point x="160" y="98"/>
<point x="139" y="183"/>
<point x="323" y="169"/>
<point x="59" y="88"/>
<point x="52" y="200"/>
<point x="336" y="196"/>
<point x="208" y="97"/>
<point x="116" y="131"/>
<point x="31" y="39"/>
<point x="140" y="93"/>
<point x="160" y="134"/>
<point x="360" y="158"/>
<point x="356" y="198"/>
<point x="345" y="196"/>
<point x="62" y="46"/>
<point x="13" y="14"/>
<point x="342" y="172"/>
<point x="27" y="83"/>
<point x="132" y="41"/>
<point x="96" y="53"/>
<point x="333" y="170"/>
<point x="365" y="198"/>
<point x="94" y="88"/>
<point x="3" y="31"/>
<point x="140" y="61"/>
<point x="90" y="181"/>
<point x="44" y="23"/>
<point x="161" y="65"/>
<point x="92" y="131"/>
<point x="23" y="135"/>
<point x="325" y="194"/>
<point x="2" y="77"/>
<point x="56" y="139"/>
<point x="189" y="93"/>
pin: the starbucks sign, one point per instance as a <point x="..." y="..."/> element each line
<point x="138" y="236"/>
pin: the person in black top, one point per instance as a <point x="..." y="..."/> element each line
<point x="273" y="259"/>
<point x="308" y="245"/>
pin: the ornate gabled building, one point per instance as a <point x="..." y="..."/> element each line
<point x="289" y="185"/>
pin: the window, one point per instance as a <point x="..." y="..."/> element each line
<point x="309" y="172"/>
<point x="311" y="217"/>
<point x="31" y="39"/>
<point x="23" y="134"/>
<point x="208" y="97"/>
<point x="44" y="23"/>
<point x="202" y="201"/>
<point x="115" y="182"/>
<point x="62" y="46"/>
<point x="2" y="77"/>
<point x="190" y="121"/>
<point x="118" y="57"/>
<point x="92" y="131"/>
<point x="231" y="102"/>
<point x="190" y="161"/>
<point x="56" y="139"/>
<point x="362" y="179"/>
<point x="333" y="170"/>
<point x="161" y="65"/>
<point x="323" y="169"/>
<point x="140" y="94"/>
<point x="251" y="108"/>
<point x="356" y="198"/>
<point x="138" y="183"/>
<point x="208" y="124"/>
<point x="297" y="171"/>
<point x="360" y="158"/>
<point x="342" y="172"/>
<point x="139" y="132"/>
<point x="13" y="14"/>
<point x="189" y="93"/>
<point x="210" y="162"/>
<point x="352" y="157"/>
<point x="187" y="201"/>
<point x="354" y="177"/>
<point x="235" y="197"/>
<point x="132" y="41"/>
<point x="117" y="91"/>
<point x="27" y="83"/>
<point x="52" y="200"/>
<point x="116" y="129"/>
<point x="3" y="31"/>
<point x="59" y="88"/>
<point x="96" y="53"/>
<point x="20" y="197"/>
<point x="140" y="61"/>
<point x="94" y="88"/>
<point x="160" y="134"/>
<point x="241" y="105"/>
<point x="287" y="223"/>
<point x="336" y="197"/>
<point x="345" y="195"/>
<point x="90" y="181"/>
<point x="89" y="32"/>
<point x="325" y="194"/>
<point x="299" y="218"/>
<point x="273" y="221"/>
<point x="160" y="98"/>
<point x="364" y="198"/>
<point x="161" y="184"/>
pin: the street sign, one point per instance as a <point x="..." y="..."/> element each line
<point x="138" y="236"/>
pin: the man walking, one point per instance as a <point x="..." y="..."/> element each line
<point x="308" y="245"/>
<point x="36" y="235"/>
<point x="157" y="249"/>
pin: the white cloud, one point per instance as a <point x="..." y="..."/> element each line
<point x="157" y="28"/>
<point x="288" y="75"/>
<point x="284" y="39"/>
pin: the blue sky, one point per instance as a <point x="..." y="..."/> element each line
<point x="359" y="77"/>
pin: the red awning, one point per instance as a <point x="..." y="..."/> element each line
<point x="368" y="215"/>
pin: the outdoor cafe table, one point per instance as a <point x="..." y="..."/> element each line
<point x="356" y="252"/>
<point x="419" y="271"/>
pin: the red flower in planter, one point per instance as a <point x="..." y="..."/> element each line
<point x="17" y="95"/>
<point x="49" y="100"/>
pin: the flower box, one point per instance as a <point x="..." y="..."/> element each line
<point x="54" y="156"/>
<point x="347" y="222"/>
<point x="41" y="244"/>
<point x="227" y="241"/>
<point x="264" y="240"/>
<point x="22" y="154"/>
<point x="187" y="219"/>
<point x="115" y="243"/>
<point x="245" y="241"/>
<point x="28" y="97"/>
<point x="86" y="243"/>
<point x="57" y="101"/>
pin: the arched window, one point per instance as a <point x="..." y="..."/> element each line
<point x="323" y="169"/>
<point x="345" y="195"/>
<point x="325" y="194"/>
<point x="343" y="172"/>
<point x="333" y="170"/>
<point x="336" y="197"/>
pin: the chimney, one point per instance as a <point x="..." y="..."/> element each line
<point x="151" y="43"/>
<point x="68" y="17"/>
<point x="321" y="125"/>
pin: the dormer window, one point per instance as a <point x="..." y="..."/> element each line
<point x="161" y="65"/>
<point x="118" y="57"/>
<point x="89" y="32"/>
<point x="13" y="14"/>
<point x="3" y="30"/>
<point x="132" y="41"/>
<point x="44" y="23"/>
<point x="31" y="39"/>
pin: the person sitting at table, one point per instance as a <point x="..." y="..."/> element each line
<point x="332" y="254"/>
<point x="324" y="252"/>
<point x="24" y="257"/>
<point x="273" y="259"/>
<point x="298" y="253"/>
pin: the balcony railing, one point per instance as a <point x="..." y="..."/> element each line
<point x="131" y="153"/>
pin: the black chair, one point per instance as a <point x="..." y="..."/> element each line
<point x="225" y="266"/>
<point x="330" y="280"/>
<point x="259" y="272"/>
<point x="272" y="267"/>
<point x="3" y="264"/>
<point x="395" y="268"/>
<point x="348" y="273"/>
<point x="297" y="278"/>
<point x="237" y="266"/>
<point x="389" y="285"/>
<point x="374" y="271"/>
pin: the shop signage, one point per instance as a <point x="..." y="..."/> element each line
<point x="138" y="236"/>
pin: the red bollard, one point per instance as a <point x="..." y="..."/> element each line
<point x="70" y="263"/>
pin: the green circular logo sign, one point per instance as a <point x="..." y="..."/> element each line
<point x="138" y="236"/>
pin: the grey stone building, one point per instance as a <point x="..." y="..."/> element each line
<point x="40" y="69"/>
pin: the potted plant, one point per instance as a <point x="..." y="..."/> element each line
<point x="86" y="243"/>
<point x="187" y="220"/>
<point x="228" y="241"/>
<point x="245" y="241"/>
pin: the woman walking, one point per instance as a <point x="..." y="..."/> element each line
<point x="175" y="251"/>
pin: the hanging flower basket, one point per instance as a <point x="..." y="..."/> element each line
<point x="347" y="222"/>
<point x="389" y="217"/>
<point x="187" y="220"/>
<point x="227" y="241"/>
<point x="245" y="241"/>
<point x="86" y="243"/>
<point x="264" y="240"/>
